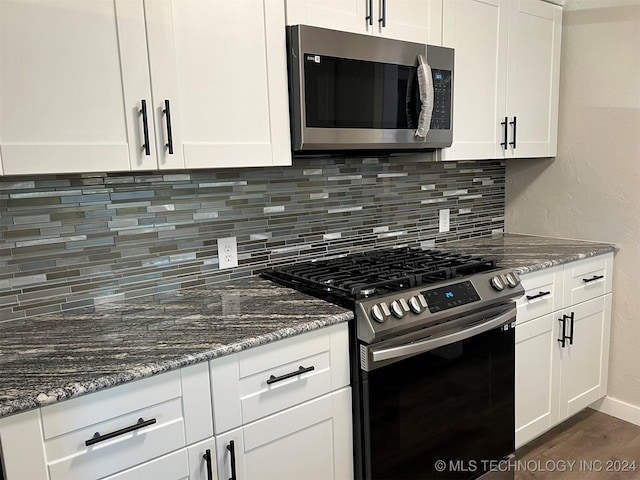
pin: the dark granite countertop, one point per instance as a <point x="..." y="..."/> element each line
<point x="529" y="253"/>
<point x="50" y="358"/>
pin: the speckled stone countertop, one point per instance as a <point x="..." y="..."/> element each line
<point x="50" y="358"/>
<point x="528" y="253"/>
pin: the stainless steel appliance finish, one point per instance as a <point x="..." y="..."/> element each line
<point x="433" y="358"/>
<point x="351" y="92"/>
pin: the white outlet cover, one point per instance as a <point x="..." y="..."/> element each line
<point x="444" y="220"/>
<point x="227" y="252"/>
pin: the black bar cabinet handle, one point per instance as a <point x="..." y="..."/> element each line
<point x="207" y="459"/>
<point x="300" y="371"/>
<point x="97" y="438"/>
<point x="563" y="338"/>
<point x="167" y="112"/>
<point x="592" y="279"/>
<point x="571" y="329"/>
<point x="513" y="144"/>
<point x="383" y="17"/>
<point x="505" y="125"/>
<point x="232" y="451"/>
<point x="369" y="17"/>
<point x="145" y="127"/>
<point x="539" y="295"/>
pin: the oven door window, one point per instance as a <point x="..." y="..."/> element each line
<point x="455" y="404"/>
<point x="346" y="93"/>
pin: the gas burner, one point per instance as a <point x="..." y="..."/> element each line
<point x="349" y="278"/>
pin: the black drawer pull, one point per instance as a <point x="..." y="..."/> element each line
<point x="506" y="133"/>
<point x="564" y="336"/>
<point x="232" y="451"/>
<point x="300" y="371"/>
<point x="207" y="458"/>
<point x="592" y="279"/>
<point x="513" y="144"/>
<point x="539" y="295"/>
<point x="97" y="438"/>
<point x="145" y="127"/>
<point x="167" y="112"/>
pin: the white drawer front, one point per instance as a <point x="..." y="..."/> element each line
<point x="259" y="399"/>
<point x="312" y="364"/>
<point x="174" y="466"/>
<point x="69" y="458"/>
<point x="64" y="417"/>
<point x="587" y="279"/>
<point x="543" y="294"/>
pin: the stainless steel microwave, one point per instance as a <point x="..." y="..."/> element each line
<point x="361" y="93"/>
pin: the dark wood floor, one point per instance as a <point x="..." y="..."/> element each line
<point x="589" y="446"/>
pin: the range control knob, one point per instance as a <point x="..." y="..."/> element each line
<point x="377" y="313"/>
<point x="396" y="309"/>
<point x="498" y="282"/>
<point x="414" y="305"/>
<point x="513" y="279"/>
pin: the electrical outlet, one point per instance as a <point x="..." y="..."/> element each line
<point x="227" y="252"/>
<point x="444" y="220"/>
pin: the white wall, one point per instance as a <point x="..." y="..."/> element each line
<point x="591" y="190"/>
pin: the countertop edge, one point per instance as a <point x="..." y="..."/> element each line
<point x="601" y="250"/>
<point x="77" y="389"/>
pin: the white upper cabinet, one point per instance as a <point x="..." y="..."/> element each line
<point x="535" y="30"/>
<point x="118" y="85"/>
<point x="506" y="77"/>
<point x="477" y="30"/>
<point x="222" y="67"/>
<point x="69" y="102"/>
<point x="410" y="20"/>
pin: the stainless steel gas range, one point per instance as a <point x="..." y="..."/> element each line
<point x="432" y="358"/>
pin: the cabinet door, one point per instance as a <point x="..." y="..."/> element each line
<point x="478" y="32"/>
<point x="410" y="20"/>
<point x="202" y="460"/>
<point x="343" y="15"/>
<point x="584" y="363"/>
<point x="536" y="386"/>
<point x="534" y="73"/>
<point x="311" y="441"/>
<point x="221" y="66"/>
<point x="72" y="78"/>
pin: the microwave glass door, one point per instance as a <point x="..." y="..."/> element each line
<point x="347" y="93"/>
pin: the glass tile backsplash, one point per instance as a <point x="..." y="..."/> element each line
<point x="69" y="241"/>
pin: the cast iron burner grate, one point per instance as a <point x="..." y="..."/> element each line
<point x="344" y="280"/>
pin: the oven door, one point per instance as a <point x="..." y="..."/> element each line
<point x="441" y="407"/>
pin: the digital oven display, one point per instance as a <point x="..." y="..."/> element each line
<point x="443" y="298"/>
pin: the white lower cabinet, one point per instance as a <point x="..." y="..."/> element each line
<point x="311" y="441"/>
<point x="202" y="460"/>
<point x="283" y="410"/>
<point x="536" y="389"/>
<point x="584" y="361"/>
<point x="122" y="432"/>
<point x="562" y="353"/>
<point x="286" y="406"/>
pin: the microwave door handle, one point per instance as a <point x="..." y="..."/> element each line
<point x="433" y="343"/>
<point x="425" y="86"/>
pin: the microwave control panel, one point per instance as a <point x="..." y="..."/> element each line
<point x="441" y="116"/>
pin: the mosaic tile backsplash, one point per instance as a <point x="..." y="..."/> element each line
<point x="79" y="240"/>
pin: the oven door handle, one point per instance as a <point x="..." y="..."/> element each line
<point x="440" y="341"/>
